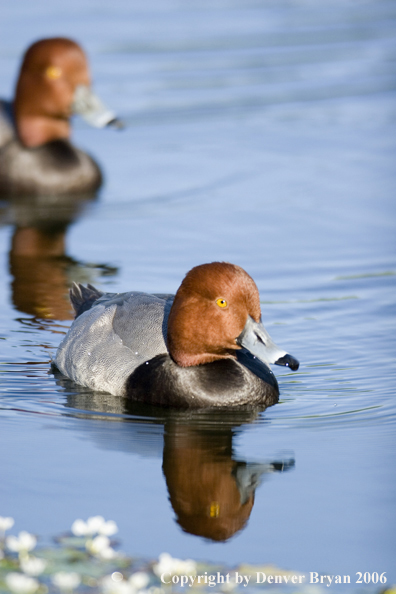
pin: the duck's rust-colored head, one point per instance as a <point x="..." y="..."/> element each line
<point x="217" y="311"/>
<point x="53" y="77"/>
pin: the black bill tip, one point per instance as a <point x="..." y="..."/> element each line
<point x="288" y="361"/>
<point x="116" y="123"/>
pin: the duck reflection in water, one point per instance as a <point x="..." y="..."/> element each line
<point x="211" y="492"/>
<point x="211" y="489"/>
<point x="41" y="270"/>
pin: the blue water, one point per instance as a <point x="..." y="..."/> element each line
<point x="261" y="133"/>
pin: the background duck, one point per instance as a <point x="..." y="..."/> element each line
<point x="204" y="346"/>
<point x="36" y="155"/>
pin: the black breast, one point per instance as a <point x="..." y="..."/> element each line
<point x="56" y="167"/>
<point x="226" y="382"/>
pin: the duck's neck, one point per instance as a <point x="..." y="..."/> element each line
<point x="38" y="130"/>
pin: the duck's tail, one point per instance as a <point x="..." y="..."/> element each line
<point x="82" y="298"/>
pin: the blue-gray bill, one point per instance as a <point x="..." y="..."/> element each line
<point x="90" y="107"/>
<point x="255" y="338"/>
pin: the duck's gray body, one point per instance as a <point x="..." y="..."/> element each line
<point x="118" y="344"/>
<point x="109" y="341"/>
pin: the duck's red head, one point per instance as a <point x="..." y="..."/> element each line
<point x="50" y="73"/>
<point x="216" y="311"/>
<point x="209" y="312"/>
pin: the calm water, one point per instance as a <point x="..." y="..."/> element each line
<point x="262" y="133"/>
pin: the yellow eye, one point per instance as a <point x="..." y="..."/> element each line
<point x="53" y="72"/>
<point x="221" y="302"/>
<point x="214" y="509"/>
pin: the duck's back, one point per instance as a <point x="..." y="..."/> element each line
<point x="7" y="131"/>
<point x="110" y="340"/>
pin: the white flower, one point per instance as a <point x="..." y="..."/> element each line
<point x="167" y="564"/>
<point x="108" y="528"/>
<point x="139" y="580"/>
<point x="97" y="544"/>
<point x="21" y="584"/>
<point x="33" y="565"/>
<point x="115" y="583"/>
<point x="100" y="546"/>
<point x="116" y="586"/>
<point x="21" y="544"/>
<point x="6" y="523"/>
<point x="94" y="525"/>
<point x="107" y="553"/>
<point x="79" y="528"/>
<point x="66" y="581"/>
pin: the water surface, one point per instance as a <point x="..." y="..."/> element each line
<point x="261" y="133"/>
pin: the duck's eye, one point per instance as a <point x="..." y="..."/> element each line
<point x="221" y="302"/>
<point x="53" y="72"/>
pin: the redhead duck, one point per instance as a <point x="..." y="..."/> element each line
<point x="205" y="346"/>
<point x="36" y="155"/>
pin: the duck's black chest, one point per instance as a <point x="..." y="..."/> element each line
<point x="222" y="383"/>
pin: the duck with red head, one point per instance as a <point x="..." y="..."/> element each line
<point x="209" y="311"/>
<point x="205" y="346"/>
<point x="36" y="155"/>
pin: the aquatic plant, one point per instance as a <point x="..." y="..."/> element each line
<point x="85" y="561"/>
